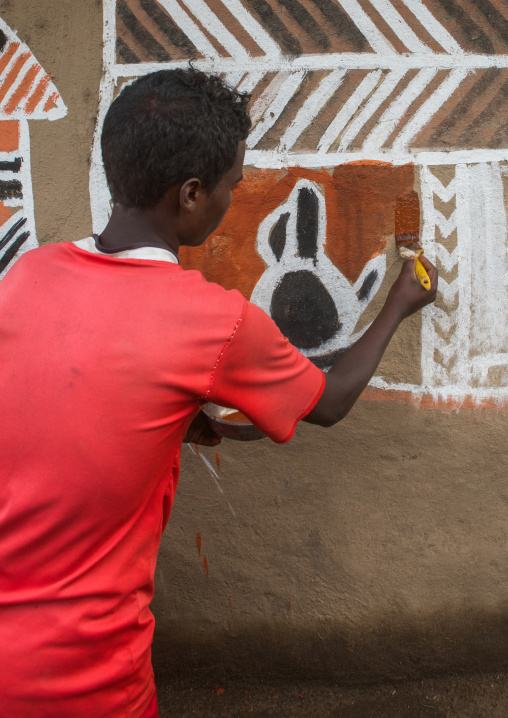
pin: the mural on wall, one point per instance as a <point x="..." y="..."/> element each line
<point x="354" y="102"/>
<point x="26" y="93"/>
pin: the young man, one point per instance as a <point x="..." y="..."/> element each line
<point x="109" y="350"/>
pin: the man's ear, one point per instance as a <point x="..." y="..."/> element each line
<point x="190" y="194"/>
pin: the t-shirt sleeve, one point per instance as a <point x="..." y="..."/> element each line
<point x="264" y="376"/>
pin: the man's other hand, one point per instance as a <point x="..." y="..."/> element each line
<point x="201" y="432"/>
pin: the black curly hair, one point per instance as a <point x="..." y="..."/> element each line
<point x="167" y="127"/>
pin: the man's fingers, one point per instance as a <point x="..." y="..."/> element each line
<point x="430" y="268"/>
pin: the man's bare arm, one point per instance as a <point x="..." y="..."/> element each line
<point x="352" y="371"/>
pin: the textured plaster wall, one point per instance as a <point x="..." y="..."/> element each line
<point x="376" y="548"/>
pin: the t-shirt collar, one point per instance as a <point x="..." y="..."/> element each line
<point x="139" y="250"/>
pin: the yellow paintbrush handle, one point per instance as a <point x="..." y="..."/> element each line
<point x="422" y="275"/>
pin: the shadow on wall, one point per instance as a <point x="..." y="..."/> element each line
<point x="391" y="648"/>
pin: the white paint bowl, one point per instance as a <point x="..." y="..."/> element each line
<point x="237" y="430"/>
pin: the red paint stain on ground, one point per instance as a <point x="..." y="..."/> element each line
<point x="218" y="691"/>
<point x="289" y="601"/>
<point x="229" y="625"/>
<point x="217" y="459"/>
<point x="205" y="564"/>
<point x="196" y="446"/>
<point x="198" y="543"/>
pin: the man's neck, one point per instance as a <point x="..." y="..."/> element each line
<point x="132" y="226"/>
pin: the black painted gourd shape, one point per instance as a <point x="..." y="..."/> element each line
<point x="309" y="299"/>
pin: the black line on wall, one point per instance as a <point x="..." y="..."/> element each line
<point x="485" y="116"/>
<point x="12" y="166"/>
<point x="342" y="25"/>
<point x="277" y="238"/>
<point x="274" y="25"/>
<point x="306" y="22"/>
<point x="494" y="17"/>
<point x="303" y="309"/>
<point x="474" y="94"/>
<point x="471" y="29"/>
<point x="368" y="283"/>
<point x="12" y="231"/>
<point x="164" y="22"/>
<point x="11" y="189"/>
<point x="12" y="251"/>
<point x="307" y="223"/>
<point x="124" y="52"/>
<point x="143" y="37"/>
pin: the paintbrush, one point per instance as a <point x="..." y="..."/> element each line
<point x="407" y="233"/>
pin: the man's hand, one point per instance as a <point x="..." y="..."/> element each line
<point x="352" y="371"/>
<point x="201" y="432"/>
<point x="407" y="295"/>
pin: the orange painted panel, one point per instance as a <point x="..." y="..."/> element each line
<point x="360" y="208"/>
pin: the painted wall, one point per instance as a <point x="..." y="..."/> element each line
<point x="377" y="547"/>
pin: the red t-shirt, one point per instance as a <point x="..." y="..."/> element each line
<point x="105" y="361"/>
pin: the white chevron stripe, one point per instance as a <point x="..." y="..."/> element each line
<point x="444" y="193"/>
<point x="449" y="260"/>
<point x="433" y="26"/>
<point x="189" y="27"/>
<point x="400" y="27"/>
<point x="348" y="109"/>
<point x="446" y="226"/>
<point x="443" y="320"/>
<point x="387" y="86"/>
<point x="376" y="39"/>
<point x="447" y="351"/>
<point x="275" y="109"/>
<point x="429" y="108"/>
<point x="393" y="115"/>
<point x="311" y="108"/>
<point x="263" y="39"/>
<point x="448" y="291"/>
<point x="215" y="27"/>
